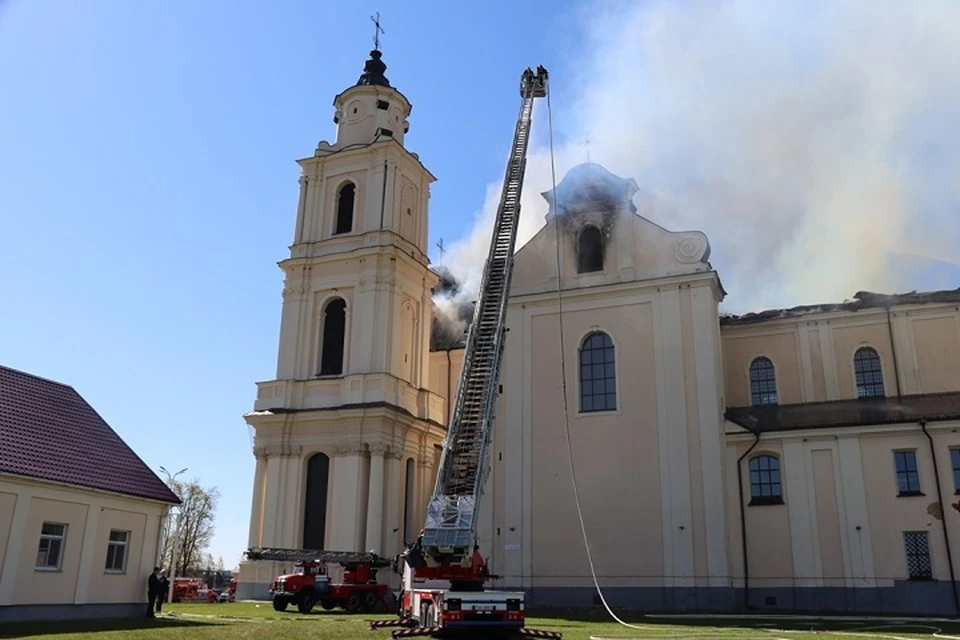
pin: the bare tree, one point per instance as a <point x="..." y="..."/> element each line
<point x="192" y="526"/>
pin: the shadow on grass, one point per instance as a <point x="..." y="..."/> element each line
<point x="27" y="629"/>
<point x="761" y="622"/>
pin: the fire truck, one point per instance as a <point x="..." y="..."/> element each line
<point x="310" y="585"/>
<point x="443" y="571"/>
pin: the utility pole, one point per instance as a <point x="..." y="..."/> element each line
<point x="172" y="580"/>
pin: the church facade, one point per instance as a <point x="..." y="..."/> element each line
<point x="804" y="459"/>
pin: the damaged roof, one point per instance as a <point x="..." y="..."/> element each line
<point x="49" y="432"/>
<point x="861" y="300"/>
<point x="847" y="413"/>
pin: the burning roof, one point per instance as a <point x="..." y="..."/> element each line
<point x="861" y="300"/>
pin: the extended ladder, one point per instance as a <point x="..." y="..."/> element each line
<point x="317" y="555"/>
<point x="450" y="526"/>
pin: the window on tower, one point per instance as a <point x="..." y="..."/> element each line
<point x="345" y="199"/>
<point x="590" y="250"/>
<point x="315" y="502"/>
<point x="334" y="329"/>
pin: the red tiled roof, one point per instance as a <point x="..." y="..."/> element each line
<point x="49" y="432"/>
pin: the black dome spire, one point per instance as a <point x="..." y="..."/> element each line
<point x="373" y="71"/>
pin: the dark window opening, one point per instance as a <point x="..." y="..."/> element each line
<point x="869" y="374"/>
<point x="334" y="326"/>
<point x="763" y="381"/>
<point x="408" y="497"/>
<point x="917" y="547"/>
<point x="383" y="105"/>
<point x="908" y="477"/>
<point x="955" y="463"/>
<point x="315" y="503"/>
<point x="345" y="208"/>
<point x="598" y="379"/>
<point x="590" y="250"/>
<point x="765" y="486"/>
<point x="388" y="133"/>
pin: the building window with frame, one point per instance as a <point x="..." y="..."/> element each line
<point x="869" y="373"/>
<point x="763" y="381"/>
<point x="765" y="485"/>
<point x="590" y="250"/>
<point x="345" y="199"/>
<point x="598" y="378"/>
<point x="334" y="335"/>
<point x="917" y="547"/>
<point x="50" y="552"/>
<point x="955" y="463"/>
<point x="908" y="475"/>
<point x="117" y="551"/>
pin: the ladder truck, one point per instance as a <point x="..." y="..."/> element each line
<point x="309" y="583"/>
<point x="443" y="572"/>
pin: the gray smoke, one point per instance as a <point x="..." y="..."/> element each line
<point x="814" y="142"/>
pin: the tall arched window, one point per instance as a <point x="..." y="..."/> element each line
<point x="315" y="504"/>
<point x="868" y="372"/>
<point x="598" y="376"/>
<point x="590" y="250"/>
<point x="765" y="487"/>
<point x="408" y="536"/>
<point x="334" y="328"/>
<point x="345" y="199"/>
<point x="763" y="381"/>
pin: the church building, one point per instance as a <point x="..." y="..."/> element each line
<point x="803" y="459"/>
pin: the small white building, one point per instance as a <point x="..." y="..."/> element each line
<point x="80" y="512"/>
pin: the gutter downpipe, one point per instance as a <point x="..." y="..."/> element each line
<point x="743" y="520"/>
<point x="943" y="515"/>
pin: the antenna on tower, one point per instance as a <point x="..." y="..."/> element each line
<point x="376" y="31"/>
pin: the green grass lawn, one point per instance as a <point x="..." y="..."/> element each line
<point x="255" y="621"/>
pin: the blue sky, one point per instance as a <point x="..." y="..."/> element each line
<point x="148" y="188"/>
<point x="148" y="181"/>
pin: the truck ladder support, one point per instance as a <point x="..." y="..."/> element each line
<point x="452" y="511"/>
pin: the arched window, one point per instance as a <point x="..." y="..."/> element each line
<point x="590" y="250"/>
<point x="334" y="327"/>
<point x="408" y="534"/>
<point x="765" y="487"/>
<point x="869" y="373"/>
<point x="345" y="208"/>
<point x="763" y="381"/>
<point x="315" y="504"/>
<point x="598" y="377"/>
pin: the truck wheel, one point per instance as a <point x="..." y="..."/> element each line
<point x="328" y="604"/>
<point x="353" y="603"/>
<point x="369" y="600"/>
<point x="306" y="602"/>
<point x="280" y="603"/>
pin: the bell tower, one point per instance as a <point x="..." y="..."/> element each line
<point x="345" y="434"/>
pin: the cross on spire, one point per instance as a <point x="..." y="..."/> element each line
<point x="376" y="31"/>
<point x="586" y="143"/>
<point x="440" y="247"/>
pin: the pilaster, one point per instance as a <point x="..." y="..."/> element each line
<point x="256" y="507"/>
<point x="88" y="552"/>
<point x="375" y="500"/>
<point x="348" y="504"/>
<point x="394" y="472"/>
<point x="18" y="529"/>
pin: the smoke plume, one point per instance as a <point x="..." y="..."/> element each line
<point x="814" y="142"/>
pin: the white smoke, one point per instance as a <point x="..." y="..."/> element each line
<point x="814" y="142"/>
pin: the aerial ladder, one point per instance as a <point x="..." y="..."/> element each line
<point x="443" y="572"/>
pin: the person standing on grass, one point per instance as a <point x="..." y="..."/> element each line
<point x="153" y="590"/>
<point x="164" y="588"/>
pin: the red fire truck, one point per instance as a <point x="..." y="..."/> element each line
<point x="309" y="584"/>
